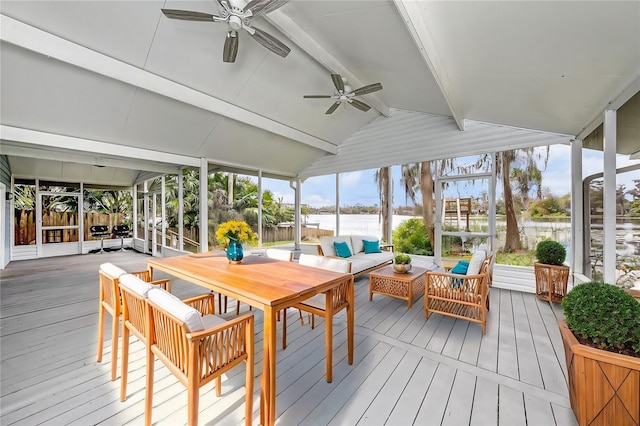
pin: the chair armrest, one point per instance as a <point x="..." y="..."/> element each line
<point x="205" y="303"/>
<point x="319" y="248"/>
<point x="387" y="247"/>
<point x="195" y="335"/>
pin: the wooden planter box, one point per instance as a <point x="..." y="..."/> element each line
<point x="604" y="387"/>
<point x="551" y="281"/>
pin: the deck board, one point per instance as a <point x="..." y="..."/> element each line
<point x="407" y="369"/>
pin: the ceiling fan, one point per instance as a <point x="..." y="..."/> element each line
<point x="345" y="94"/>
<point x="237" y="14"/>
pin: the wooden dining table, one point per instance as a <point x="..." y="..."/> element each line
<point x="266" y="284"/>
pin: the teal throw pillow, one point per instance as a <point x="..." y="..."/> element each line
<point x="371" y="246"/>
<point x="342" y="249"/>
<point x="460" y="268"/>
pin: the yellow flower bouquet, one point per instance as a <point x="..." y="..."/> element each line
<point x="236" y="230"/>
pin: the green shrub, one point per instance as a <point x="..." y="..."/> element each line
<point x="604" y="315"/>
<point x="411" y="237"/>
<point x="550" y="252"/>
<point x="402" y="259"/>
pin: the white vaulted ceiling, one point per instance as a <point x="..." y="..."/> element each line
<point x="117" y="84"/>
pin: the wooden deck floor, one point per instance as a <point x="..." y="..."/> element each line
<point x="407" y="370"/>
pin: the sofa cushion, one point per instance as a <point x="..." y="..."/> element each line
<point x="357" y="244"/>
<point x="360" y="262"/>
<point x="476" y="262"/>
<point x="176" y="307"/>
<point x="460" y="268"/>
<point x="371" y="246"/>
<point x="342" y="248"/>
<point x="326" y="243"/>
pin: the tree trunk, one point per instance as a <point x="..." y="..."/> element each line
<point x="512" y="240"/>
<point x="383" y="186"/>
<point x="426" y="189"/>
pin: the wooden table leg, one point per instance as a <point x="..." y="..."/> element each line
<point x="268" y="391"/>
<point x="350" y="321"/>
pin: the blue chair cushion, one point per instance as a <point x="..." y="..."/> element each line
<point x="371" y="246"/>
<point x="342" y="249"/>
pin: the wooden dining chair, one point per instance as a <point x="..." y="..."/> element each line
<point x="326" y="304"/>
<point x="111" y="302"/>
<point x="134" y="293"/>
<point x="196" y="349"/>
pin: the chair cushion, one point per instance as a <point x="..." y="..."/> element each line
<point x="460" y="268"/>
<point x="176" y="307"/>
<point x="357" y="242"/>
<point x="327" y="244"/>
<point x="476" y="262"/>
<point x="371" y="246"/>
<point x="318" y="301"/>
<point x="342" y="249"/>
<point x="135" y="284"/>
<point x="112" y="270"/>
<point x="210" y="321"/>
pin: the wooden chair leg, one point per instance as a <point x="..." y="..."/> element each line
<point x="148" y="404"/>
<point x="101" y="314"/>
<point x="114" y="346"/>
<point x="124" y="368"/>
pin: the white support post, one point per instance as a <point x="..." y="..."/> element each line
<point x="163" y="206"/>
<point x="297" y="216"/>
<point x="337" y="203"/>
<point x="609" y="217"/>
<point x="576" y="263"/>
<point x="389" y="231"/>
<point x="492" y="204"/>
<point x="204" y="213"/>
<point x="146" y="226"/>
<point x="437" y="226"/>
<point x="180" y="211"/>
<point x="134" y="213"/>
<point x="259" y="208"/>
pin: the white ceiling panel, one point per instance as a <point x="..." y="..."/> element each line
<point x="122" y="74"/>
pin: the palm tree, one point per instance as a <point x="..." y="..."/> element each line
<point x="382" y="177"/>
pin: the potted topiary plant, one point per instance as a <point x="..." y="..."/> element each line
<point x="601" y="337"/>
<point x="402" y="263"/>
<point x="551" y="275"/>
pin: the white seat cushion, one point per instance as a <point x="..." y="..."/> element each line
<point x="210" y="321"/>
<point x="318" y="301"/>
<point x="135" y="284"/>
<point x="112" y="270"/>
<point x="476" y="262"/>
<point x="176" y="307"/>
<point x="329" y="263"/>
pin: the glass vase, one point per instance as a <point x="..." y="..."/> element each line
<point x="234" y="252"/>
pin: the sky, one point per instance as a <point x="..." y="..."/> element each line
<point x="360" y="187"/>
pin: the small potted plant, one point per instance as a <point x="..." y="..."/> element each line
<point x="232" y="234"/>
<point x="601" y="337"/>
<point x="551" y="274"/>
<point x="402" y="263"/>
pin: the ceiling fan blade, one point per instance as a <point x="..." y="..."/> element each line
<point x="368" y="89"/>
<point x="333" y="107"/>
<point x="360" y="105"/>
<point x="337" y="81"/>
<point x="317" y="96"/>
<point x="188" y="15"/>
<point x="230" y="47"/>
<point x="270" y="42"/>
<point x="260" y="7"/>
<point x="274" y="5"/>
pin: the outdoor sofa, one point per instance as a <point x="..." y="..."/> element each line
<point x="365" y="252"/>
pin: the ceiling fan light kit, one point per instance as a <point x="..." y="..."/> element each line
<point x="238" y="16"/>
<point x="345" y="94"/>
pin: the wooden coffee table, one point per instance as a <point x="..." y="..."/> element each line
<point x="401" y="286"/>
